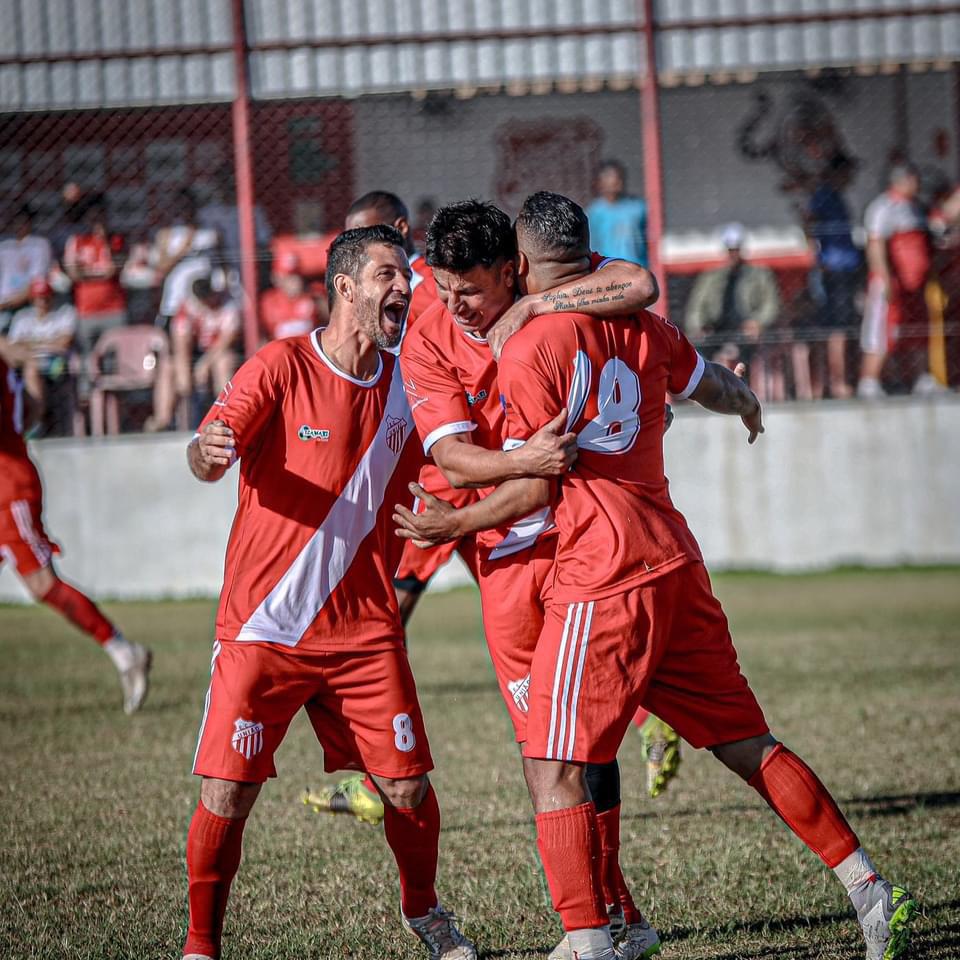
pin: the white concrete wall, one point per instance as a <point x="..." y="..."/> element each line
<point x="827" y="484"/>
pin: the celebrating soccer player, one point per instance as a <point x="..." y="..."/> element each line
<point x="308" y="616"/>
<point x="633" y="620"/>
<point x="450" y="375"/>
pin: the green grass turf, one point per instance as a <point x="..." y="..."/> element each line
<point x="859" y="673"/>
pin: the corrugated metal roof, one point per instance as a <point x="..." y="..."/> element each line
<point x="95" y="52"/>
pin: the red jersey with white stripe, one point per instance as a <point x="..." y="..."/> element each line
<point x="617" y="525"/>
<point x="309" y="558"/>
<point x="19" y="479"/>
<point x="901" y="224"/>
<point x="451" y="382"/>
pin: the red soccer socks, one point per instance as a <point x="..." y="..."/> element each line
<point x="798" y="797"/>
<point x="413" y="834"/>
<point x="569" y="845"/>
<point x="213" y="855"/>
<point x="80" y="610"/>
<point x="615" y="890"/>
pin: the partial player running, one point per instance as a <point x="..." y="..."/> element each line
<point x="25" y="545"/>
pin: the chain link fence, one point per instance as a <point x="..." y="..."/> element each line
<point x="123" y="299"/>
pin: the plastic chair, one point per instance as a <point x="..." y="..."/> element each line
<point x="139" y="354"/>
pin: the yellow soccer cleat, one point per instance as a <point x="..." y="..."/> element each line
<point x="350" y="795"/>
<point x="661" y="749"/>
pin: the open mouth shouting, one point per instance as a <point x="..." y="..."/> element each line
<point x="392" y="315"/>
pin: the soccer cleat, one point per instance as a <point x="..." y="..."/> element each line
<point x="438" y="932"/>
<point x="350" y="795"/>
<point x="661" y="749"/>
<point x="884" y="912"/>
<point x="135" y="678"/>
<point x="633" y="940"/>
<point x="196" y="956"/>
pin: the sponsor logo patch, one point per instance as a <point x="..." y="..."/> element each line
<point x="471" y="399"/>
<point x="307" y="433"/>
<point x="247" y="737"/>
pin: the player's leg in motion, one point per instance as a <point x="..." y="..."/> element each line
<point x="131" y="660"/>
<point x="796" y="795"/>
<point x="628" y="928"/>
<point x="214" y="843"/>
<point x="411" y="824"/>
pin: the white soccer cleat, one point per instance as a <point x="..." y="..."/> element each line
<point x="135" y="678"/>
<point x="438" y="932"/>
<point x="636" y="941"/>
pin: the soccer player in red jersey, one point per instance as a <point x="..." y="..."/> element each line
<point x="25" y="544"/>
<point x="308" y="617"/>
<point x="633" y="620"/>
<point x="451" y="379"/>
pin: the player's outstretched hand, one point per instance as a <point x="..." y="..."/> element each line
<point x="551" y="451"/>
<point x="515" y="318"/>
<point x="753" y="420"/>
<point x="436" y="522"/>
<point x="216" y="444"/>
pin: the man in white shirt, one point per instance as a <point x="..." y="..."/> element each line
<point x="23" y="258"/>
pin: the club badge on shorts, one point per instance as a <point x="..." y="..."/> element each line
<point x="518" y="690"/>
<point x="396" y="431"/>
<point x="247" y="737"/>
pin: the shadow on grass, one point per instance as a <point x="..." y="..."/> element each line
<point x="880" y="806"/>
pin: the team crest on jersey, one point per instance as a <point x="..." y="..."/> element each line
<point x="247" y="737"/>
<point x="396" y="432"/>
<point x="471" y="399"/>
<point x="518" y="690"/>
<point x="308" y="433"/>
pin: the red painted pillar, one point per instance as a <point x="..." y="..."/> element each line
<point x="243" y="172"/>
<point x="652" y="152"/>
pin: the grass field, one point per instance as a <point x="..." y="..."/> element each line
<point x="858" y="672"/>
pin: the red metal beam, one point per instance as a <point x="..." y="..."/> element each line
<point x="243" y="171"/>
<point x="652" y="150"/>
<point x="520" y="33"/>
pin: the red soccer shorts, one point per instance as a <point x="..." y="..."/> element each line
<point x="664" y="646"/>
<point x="363" y="707"/>
<point x="514" y="594"/>
<point x="23" y="540"/>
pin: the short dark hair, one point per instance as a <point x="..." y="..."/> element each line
<point x="388" y="205"/>
<point x="556" y="224"/>
<point x="348" y="252"/>
<point x="469" y="234"/>
<point x="610" y="164"/>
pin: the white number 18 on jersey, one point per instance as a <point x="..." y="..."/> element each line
<point x="617" y="423"/>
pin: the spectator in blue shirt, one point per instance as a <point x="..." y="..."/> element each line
<point x="618" y="223"/>
<point x="839" y="262"/>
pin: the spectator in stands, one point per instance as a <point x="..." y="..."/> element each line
<point x="221" y="216"/>
<point x="426" y="208"/>
<point x="204" y="336"/>
<point x="839" y="261"/>
<point x="73" y="206"/>
<point x="41" y="337"/>
<point x="286" y="309"/>
<point x="182" y="252"/>
<point x="618" y="222"/>
<point x="733" y="304"/>
<point x="93" y="260"/>
<point x="899" y="259"/>
<point x="24" y="257"/>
